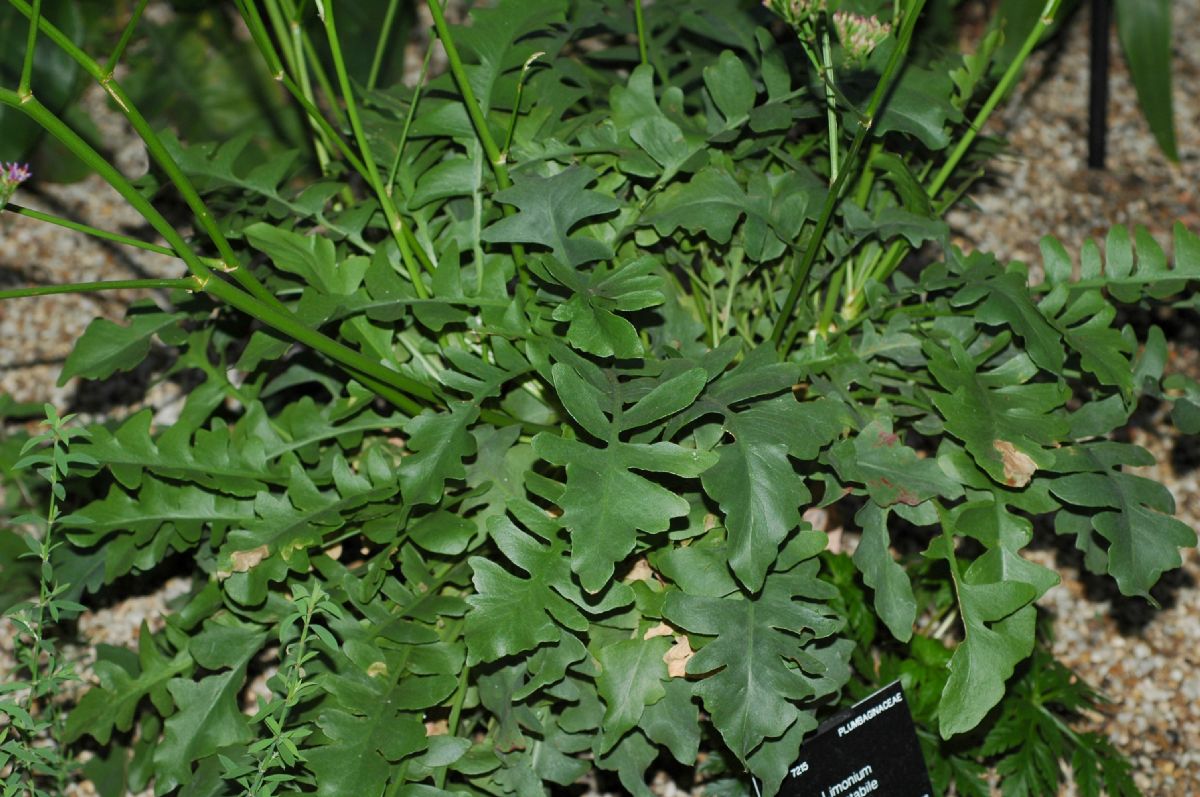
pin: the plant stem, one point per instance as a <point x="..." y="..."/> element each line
<point x="377" y="374"/>
<point x="23" y="88"/>
<point x="294" y="684"/>
<point x="830" y="102"/>
<point x="640" y="20"/>
<point x="389" y="383"/>
<point x="395" y="223"/>
<point x="898" y="249"/>
<point x="154" y="146"/>
<point x="408" y="119"/>
<point x="95" y="232"/>
<point x="475" y="111"/>
<point x="1045" y="20"/>
<point x="96" y="287"/>
<point x="126" y="35"/>
<point x="389" y="19"/>
<point x="803" y="265"/>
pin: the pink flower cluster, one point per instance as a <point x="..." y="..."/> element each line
<point x="11" y="176"/>
<point x="15" y="173"/>
<point x="859" y="34"/>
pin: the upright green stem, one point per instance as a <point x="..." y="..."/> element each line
<point x="126" y="35"/>
<point x="474" y="109"/>
<point x="395" y="223"/>
<point x="1045" y="20"/>
<point x="640" y="20"/>
<point x="23" y="88"/>
<point x="387" y="382"/>
<point x="295" y="680"/>
<point x="495" y="157"/>
<point x="831" y="121"/>
<point x="408" y="119"/>
<point x="34" y="109"/>
<point x="803" y="265"/>
<point x="389" y="19"/>
<point x="897" y="251"/>
<point x="154" y="146"/>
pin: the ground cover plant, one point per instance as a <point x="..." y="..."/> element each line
<point x="511" y="396"/>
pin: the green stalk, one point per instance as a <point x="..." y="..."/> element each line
<point x="640" y="20"/>
<point x="395" y="223"/>
<point x="1010" y="76"/>
<point x="377" y="377"/>
<point x="520" y="92"/>
<point x="156" y="149"/>
<point x="96" y="287"/>
<point x="23" y="87"/>
<point x="475" y="111"/>
<point x="389" y="19"/>
<point x="301" y="93"/>
<point x="126" y="35"/>
<point x="34" y="109"/>
<point x="803" y="265"/>
<point x="322" y="143"/>
<point x="385" y="381"/>
<point x="897" y="251"/>
<point x="831" y="121"/>
<point x="408" y="120"/>
<point x="313" y="61"/>
<point x="294" y="682"/>
<point x="95" y="232"/>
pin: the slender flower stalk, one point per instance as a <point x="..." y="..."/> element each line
<point x="803" y="264"/>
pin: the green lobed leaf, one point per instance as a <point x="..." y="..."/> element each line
<point x="631" y="678"/>
<point x="106" y="347"/>
<point x="761" y="663"/>
<point x="1144" y="539"/>
<point x="891" y="471"/>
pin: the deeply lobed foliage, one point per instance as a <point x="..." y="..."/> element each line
<point x="563" y="527"/>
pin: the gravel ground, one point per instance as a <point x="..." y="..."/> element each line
<point x="1146" y="661"/>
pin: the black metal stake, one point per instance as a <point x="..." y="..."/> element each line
<point x="1098" y="83"/>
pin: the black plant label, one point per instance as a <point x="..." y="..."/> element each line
<point x="870" y="750"/>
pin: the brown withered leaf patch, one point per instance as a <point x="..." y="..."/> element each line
<point x="242" y="561"/>
<point x="678" y="657"/>
<point x="1019" y="467"/>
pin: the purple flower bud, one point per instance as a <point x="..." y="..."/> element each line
<point x="16" y="173"/>
<point x="11" y="176"/>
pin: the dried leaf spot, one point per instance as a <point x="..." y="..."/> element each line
<point x="678" y="657"/>
<point x="242" y="561"/>
<point x="377" y="668"/>
<point x="662" y="629"/>
<point x="1019" y="467"/>
<point x="641" y="571"/>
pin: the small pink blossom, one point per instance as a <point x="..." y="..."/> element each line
<point x="11" y="176"/>
<point x="859" y="34"/>
<point x="16" y="173"/>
